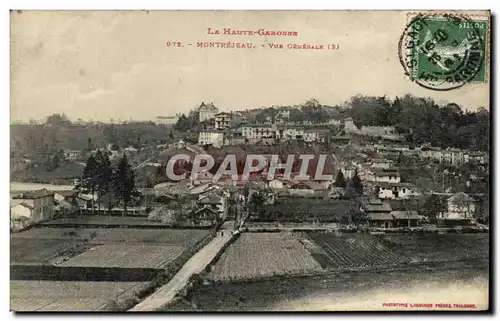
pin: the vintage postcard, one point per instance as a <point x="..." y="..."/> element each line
<point x="250" y="161"/>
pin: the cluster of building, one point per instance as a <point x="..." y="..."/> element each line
<point x="459" y="209"/>
<point x="233" y="129"/>
<point x="207" y="201"/>
<point x="384" y="188"/>
<point x="385" y="132"/>
<point x="451" y="156"/>
<point x="33" y="207"/>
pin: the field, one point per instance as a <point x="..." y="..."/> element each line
<point x="260" y="255"/>
<point x="308" y="210"/>
<point x="351" y="251"/>
<point x="64" y="296"/>
<point x="27" y="251"/>
<point x="101" y="220"/>
<point x="84" y="269"/>
<point x="257" y="256"/>
<point x="127" y="256"/>
<point x="449" y="282"/>
<point x="181" y="237"/>
<point x="436" y="247"/>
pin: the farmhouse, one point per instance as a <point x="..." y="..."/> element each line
<point x="206" y="216"/>
<point x="387" y="176"/>
<point x="460" y="209"/>
<point x="396" y="190"/>
<point x="40" y="204"/>
<point x="406" y="218"/>
<point x="378" y="213"/>
<point x="214" y="201"/>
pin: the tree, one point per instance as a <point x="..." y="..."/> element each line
<point x="340" y="180"/>
<point x="90" y="145"/>
<point x="357" y="185"/>
<point x="57" y="120"/>
<point x="183" y="124"/>
<point x="89" y="181"/>
<point x="54" y="162"/>
<point x="256" y="204"/>
<point x="433" y="206"/>
<point x="104" y="180"/>
<point x="124" y="183"/>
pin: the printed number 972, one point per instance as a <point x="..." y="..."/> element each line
<point x="174" y="44"/>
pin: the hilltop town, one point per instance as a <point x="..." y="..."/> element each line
<point x="383" y="169"/>
<point x="82" y="191"/>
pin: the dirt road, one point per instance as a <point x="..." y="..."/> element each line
<point x="194" y="265"/>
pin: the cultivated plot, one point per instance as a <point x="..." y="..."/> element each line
<point x="182" y="237"/>
<point x="261" y="255"/>
<point x="64" y="296"/>
<point x="126" y="256"/>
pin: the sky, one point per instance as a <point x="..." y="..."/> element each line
<point x="102" y="65"/>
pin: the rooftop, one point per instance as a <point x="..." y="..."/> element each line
<point x="406" y="215"/>
<point x="380" y="207"/>
<point x="461" y="197"/>
<point x="390" y="185"/>
<point x="34" y="194"/>
<point x="66" y="193"/>
<point x="380" y="217"/>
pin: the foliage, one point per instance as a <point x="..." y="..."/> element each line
<point x="110" y="184"/>
<point x="104" y="178"/>
<point x="421" y="120"/>
<point x="256" y="204"/>
<point x="57" y="120"/>
<point x="185" y="123"/>
<point x="89" y="180"/>
<point x="340" y="180"/>
<point x="356" y="183"/>
<point x="124" y="183"/>
<point x="433" y="206"/>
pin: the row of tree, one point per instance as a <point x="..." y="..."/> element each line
<point x="311" y="111"/>
<point x="422" y="120"/>
<point x="111" y="184"/>
<point x="354" y="184"/>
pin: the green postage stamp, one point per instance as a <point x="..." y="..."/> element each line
<point x="444" y="51"/>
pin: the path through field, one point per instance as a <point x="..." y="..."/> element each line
<point x="194" y="265"/>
